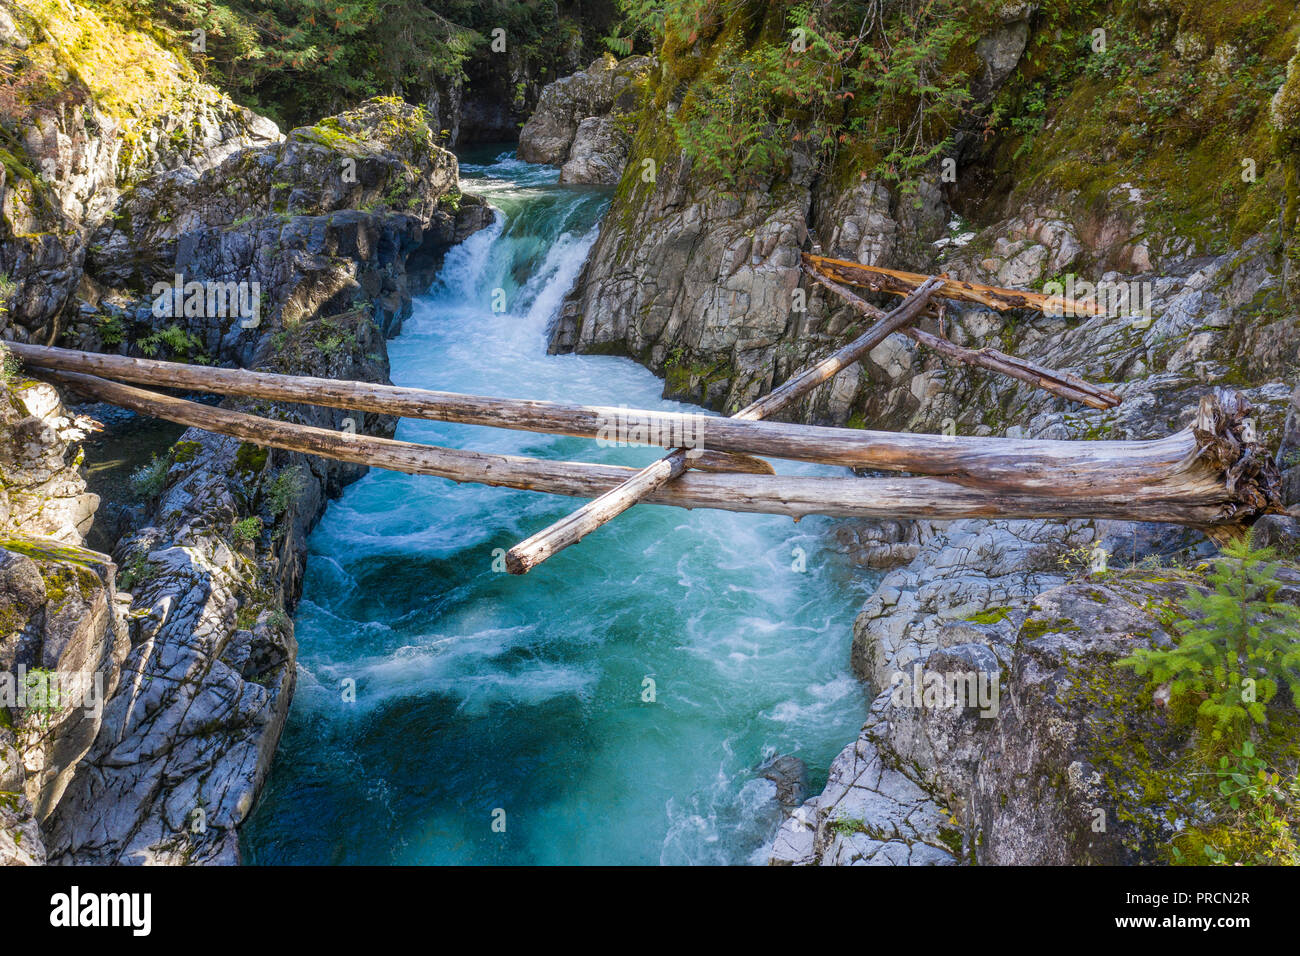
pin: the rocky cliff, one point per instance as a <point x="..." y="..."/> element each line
<point x="320" y="238"/>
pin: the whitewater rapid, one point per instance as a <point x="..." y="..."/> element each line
<point x="610" y="707"/>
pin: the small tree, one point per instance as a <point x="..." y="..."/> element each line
<point x="1237" y="646"/>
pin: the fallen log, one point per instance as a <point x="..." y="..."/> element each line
<point x="1058" y="467"/>
<point x="905" y="283"/>
<point x="1198" y="494"/>
<point x="1065" y="384"/>
<point x="574" y="527"/>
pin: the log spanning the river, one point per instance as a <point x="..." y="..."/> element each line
<point x="1022" y="464"/>
<point x="1224" y="480"/>
<point x="574" y="527"/>
<point x="1065" y="384"/>
<point x="1077" y="468"/>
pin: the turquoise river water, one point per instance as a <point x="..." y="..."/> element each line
<point x="483" y="698"/>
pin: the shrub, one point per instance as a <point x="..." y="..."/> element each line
<point x="1257" y="820"/>
<point x="1236" y="647"/>
<point x="286" y="487"/>
<point x="111" y="332"/>
<point x="839" y="77"/>
<point x="250" y="529"/>
<point x="137" y="571"/>
<point x="148" y="480"/>
<point x="9" y="365"/>
<point x="177" y="341"/>
<point x="44" y="695"/>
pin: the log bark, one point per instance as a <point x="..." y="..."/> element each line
<point x="532" y="551"/>
<point x="1198" y="494"/>
<point x="1057" y="467"/>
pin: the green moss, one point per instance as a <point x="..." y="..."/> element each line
<point x="42" y="550"/>
<point x="1034" y="628"/>
<point x="183" y="452"/>
<point x="1177" y="127"/>
<point x="58" y="582"/>
<point x="250" y="459"/>
<point x="331" y="134"/>
<point x="951" y="837"/>
<point x="990" y="615"/>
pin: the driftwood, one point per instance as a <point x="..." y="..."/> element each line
<point x="1220" y="480"/>
<point x="574" y="527"/>
<point x="1060" y="467"/>
<point x="1065" y="384"/>
<point x="905" y="283"/>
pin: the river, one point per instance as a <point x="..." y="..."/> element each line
<point x="610" y="707"/>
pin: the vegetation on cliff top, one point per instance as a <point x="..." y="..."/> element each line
<point x="296" y="60"/>
<point x="1170" y="96"/>
<point x="1231" y="680"/>
<point x="759" y="82"/>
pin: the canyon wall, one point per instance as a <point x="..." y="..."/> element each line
<point x="187" y="625"/>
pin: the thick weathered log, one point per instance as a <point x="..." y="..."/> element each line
<point x="1198" y="494"/>
<point x="904" y="283"/>
<point x="573" y="528"/>
<point x="1065" y="384"/>
<point x="1079" y="468"/>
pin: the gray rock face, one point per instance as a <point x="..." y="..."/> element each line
<point x="204" y="692"/>
<point x="598" y="153"/>
<point x="343" y="163"/>
<point x="1015" y="772"/>
<point x="555" y="134"/>
<point x="197" y="694"/>
<point x="79" y="156"/>
<point x="62" y="622"/>
<point x="696" y="283"/>
<point x="40" y="496"/>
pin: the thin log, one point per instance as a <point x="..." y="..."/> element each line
<point x="1197" y="495"/>
<point x="1067" y="385"/>
<point x="904" y="283"/>
<point x="574" y="527"/>
<point x="1026" y="464"/>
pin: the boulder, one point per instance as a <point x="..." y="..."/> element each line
<point x="604" y="88"/>
<point x="598" y="153"/>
